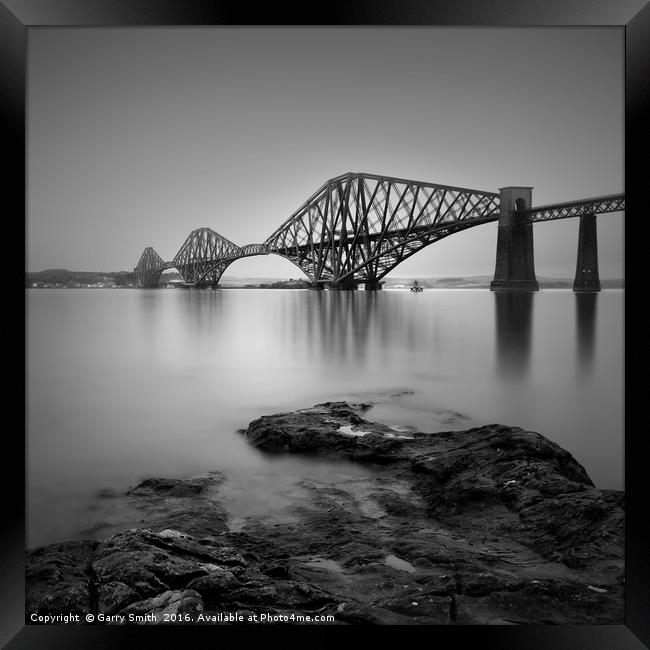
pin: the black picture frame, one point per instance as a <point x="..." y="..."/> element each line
<point x="17" y="17"/>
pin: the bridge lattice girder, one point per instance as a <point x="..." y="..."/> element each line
<point x="596" y="205"/>
<point x="204" y="256"/>
<point x="149" y="268"/>
<point x="364" y="225"/>
<point x="253" y="249"/>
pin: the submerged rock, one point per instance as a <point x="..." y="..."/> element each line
<point x="170" y="487"/>
<point x="187" y="505"/>
<point x="492" y="525"/>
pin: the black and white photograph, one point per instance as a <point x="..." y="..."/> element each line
<point x="325" y="325"/>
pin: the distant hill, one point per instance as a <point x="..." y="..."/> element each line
<point x="63" y="277"/>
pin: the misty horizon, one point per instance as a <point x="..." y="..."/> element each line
<point x="302" y="276"/>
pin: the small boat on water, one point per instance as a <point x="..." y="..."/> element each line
<point x="416" y="288"/>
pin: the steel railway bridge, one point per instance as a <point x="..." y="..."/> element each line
<point x="358" y="227"/>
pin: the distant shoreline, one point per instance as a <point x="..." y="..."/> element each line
<point x="64" y="279"/>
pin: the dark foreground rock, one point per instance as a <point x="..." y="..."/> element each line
<point x="491" y="525"/>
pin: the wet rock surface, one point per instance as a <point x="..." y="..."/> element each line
<point x="492" y="525"/>
<point x="187" y="505"/>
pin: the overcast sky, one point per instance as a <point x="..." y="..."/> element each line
<point x="137" y="136"/>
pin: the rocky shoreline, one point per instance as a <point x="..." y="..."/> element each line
<point x="492" y="525"/>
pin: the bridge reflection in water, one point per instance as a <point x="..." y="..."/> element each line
<point x="586" y="310"/>
<point x="513" y="326"/>
<point x="339" y="326"/>
<point x="343" y="324"/>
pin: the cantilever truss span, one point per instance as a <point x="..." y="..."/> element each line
<point x="149" y="268"/>
<point x="363" y="225"/>
<point x="204" y="256"/>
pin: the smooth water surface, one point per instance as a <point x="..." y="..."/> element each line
<point x="127" y="384"/>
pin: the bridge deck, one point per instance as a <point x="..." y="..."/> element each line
<point x="579" y="208"/>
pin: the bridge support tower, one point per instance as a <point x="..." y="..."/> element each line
<point x="515" y="265"/>
<point x="587" y="280"/>
<point x="372" y="285"/>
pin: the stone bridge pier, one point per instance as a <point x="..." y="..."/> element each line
<point x="587" y="279"/>
<point x="347" y="284"/>
<point x="515" y="265"/>
<point x="351" y="284"/>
